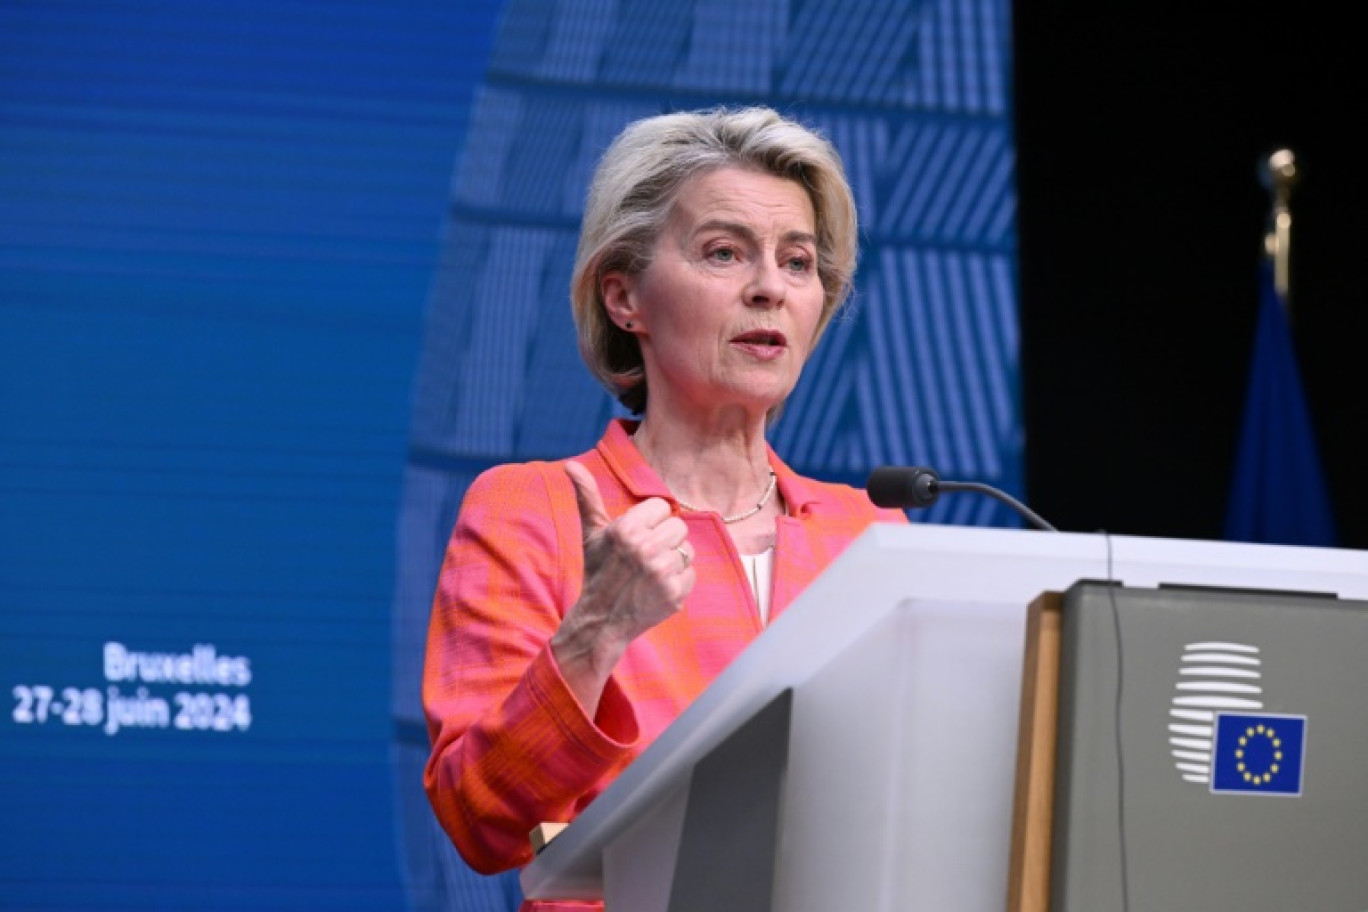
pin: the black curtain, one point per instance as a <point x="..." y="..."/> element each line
<point x="1139" y="133"/>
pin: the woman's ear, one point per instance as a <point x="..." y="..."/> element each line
<point x="619" y="302"/>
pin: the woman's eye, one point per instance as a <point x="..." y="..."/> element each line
<point x="723" y="254"/>
<point x="799" y="263"/>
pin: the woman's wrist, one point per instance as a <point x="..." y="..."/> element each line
<point x="586" y="657"/>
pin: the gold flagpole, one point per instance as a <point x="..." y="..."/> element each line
<point x="1279" y="174"/>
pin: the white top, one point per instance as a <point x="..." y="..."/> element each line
<point x="760" y="572"/>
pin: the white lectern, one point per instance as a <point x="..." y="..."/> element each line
<point x="898" y="677"/>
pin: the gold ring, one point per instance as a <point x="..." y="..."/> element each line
<point x="684" y="555"/>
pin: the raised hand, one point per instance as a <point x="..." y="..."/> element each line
<point x="638" y="569"/>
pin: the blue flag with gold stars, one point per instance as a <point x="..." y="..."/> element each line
<point x="1258" y="753"/>
<point x="1278" y="494"/>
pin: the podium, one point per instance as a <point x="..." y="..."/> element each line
<point x="881" y="712"/>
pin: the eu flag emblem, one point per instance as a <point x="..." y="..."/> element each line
<point x="1260" y="754"/>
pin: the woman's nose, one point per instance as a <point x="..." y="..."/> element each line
<point x="766" y="288"/>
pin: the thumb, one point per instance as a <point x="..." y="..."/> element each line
<point x="593" y="515"/>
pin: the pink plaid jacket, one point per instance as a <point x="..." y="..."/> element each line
<point x="511" y="746"/>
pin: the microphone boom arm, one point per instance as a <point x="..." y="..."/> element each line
<point x="921" y="486"/>
<point x="1031" y="516"/>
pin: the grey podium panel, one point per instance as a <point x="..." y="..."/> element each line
<point x="731" y="825"/>
<point x="1215" y="760"/>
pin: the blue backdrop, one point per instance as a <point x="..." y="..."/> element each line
<point x="276" y="280"/>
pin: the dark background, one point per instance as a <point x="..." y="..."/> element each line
<point x="1140" y="130"/>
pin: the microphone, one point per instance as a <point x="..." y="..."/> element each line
<point x="916" y="487"/>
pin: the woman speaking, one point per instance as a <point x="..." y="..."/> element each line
<point x="583" y="604"/>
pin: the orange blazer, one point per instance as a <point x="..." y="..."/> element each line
<point x="511" y="746"/>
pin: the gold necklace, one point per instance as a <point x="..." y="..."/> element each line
<point x="759" y="504"/>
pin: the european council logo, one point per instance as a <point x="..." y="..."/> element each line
<point x="1260" y="754"/>
<point x="1215" y="677"/>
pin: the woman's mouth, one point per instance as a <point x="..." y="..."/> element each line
<point x="762" y="342"/>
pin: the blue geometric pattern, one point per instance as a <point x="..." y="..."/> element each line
<point x="921" y="368"/>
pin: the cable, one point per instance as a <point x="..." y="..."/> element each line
<point x="1120" y="754"/>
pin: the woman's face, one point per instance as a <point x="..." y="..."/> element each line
<point x="727" y="311"/>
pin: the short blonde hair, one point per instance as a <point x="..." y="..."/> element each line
<point x="634" y="189"/>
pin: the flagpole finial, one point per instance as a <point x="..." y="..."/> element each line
<point x="1278" y="173"/>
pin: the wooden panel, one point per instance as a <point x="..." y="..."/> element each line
<point x="1028" y="884"/>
